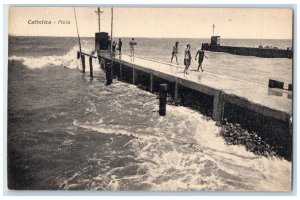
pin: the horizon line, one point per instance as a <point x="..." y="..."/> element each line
<point x="12" y="35"/>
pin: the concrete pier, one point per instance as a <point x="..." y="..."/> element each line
<point x="246" y="94"/>
<point x="252" y="105"/>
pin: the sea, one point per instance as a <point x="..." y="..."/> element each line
<point x="67" y="131"/>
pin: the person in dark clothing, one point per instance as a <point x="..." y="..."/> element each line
<point x="114" y="46"/>
<point x="120" y="46"/>
<point x="201" y="54"/>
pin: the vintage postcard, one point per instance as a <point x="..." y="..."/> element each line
<point x="150" y="99"/>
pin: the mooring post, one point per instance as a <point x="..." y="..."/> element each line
<point x="151" y="82"/>
<point x="83" y="63"/>
<point x="162" y="99"/>
<point x="290" y="87"/>
<point x="91" y="66"/>
<point x="218" y="106"/>
<point x="176" y="90"/>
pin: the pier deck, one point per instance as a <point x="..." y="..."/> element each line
<point x="256" y="97"/>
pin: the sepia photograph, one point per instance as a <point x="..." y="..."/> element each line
<point x="163" y="99"/>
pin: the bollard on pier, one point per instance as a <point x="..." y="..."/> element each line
<point x="162" y="99"/>
<point x="290" y="87"/>
<point x="91" y="66"/>
<point x="108" y="71"/>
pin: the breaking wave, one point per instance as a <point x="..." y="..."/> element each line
<point x="68" y="60"/>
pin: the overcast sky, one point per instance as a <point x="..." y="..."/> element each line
<point x="261" y="23"/>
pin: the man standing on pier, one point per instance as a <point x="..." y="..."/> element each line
<point x="187" y="58"/>
<point x="201" y="54"/>
<point x="175" y="52"/>
<point x="131" y="44"/>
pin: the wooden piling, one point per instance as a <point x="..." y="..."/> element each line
<point x="83" y="63"/>
<point x="91" y="66"/>
<point x="218" y="106"/>
<point x="162" y="99"/>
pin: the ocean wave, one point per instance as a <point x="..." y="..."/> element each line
<point x="68" y="60"/>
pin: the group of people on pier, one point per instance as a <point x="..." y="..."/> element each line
<point x="187" y="54"/>
<point x="188" y="58"/>
<point x="118" y="47"/>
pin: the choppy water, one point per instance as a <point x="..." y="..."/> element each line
<point x="66" y="131"/>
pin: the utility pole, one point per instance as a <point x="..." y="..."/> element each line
<point x="99" y="12"/>
<point x="213" y="29"/>
<point x="111" y="30"/>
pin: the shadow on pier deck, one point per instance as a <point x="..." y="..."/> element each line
<point x="249" y="104"/>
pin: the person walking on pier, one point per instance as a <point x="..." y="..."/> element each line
<point x="131" y="44"/>
<point x="120" y="47"/>
<point x="175" y="52"/>
<point x="201" y="54"/>
<point x="187" y="58"/>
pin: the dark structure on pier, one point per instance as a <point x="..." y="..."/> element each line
<point x="101" y="41"/>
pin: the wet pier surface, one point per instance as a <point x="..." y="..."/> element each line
<point x="259" y="98"/>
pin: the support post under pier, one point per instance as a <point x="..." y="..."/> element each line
<point x="218" y="106"/>
<point x="176" y="90"/>
<point x="151" y="82"/>
<point x="121" y="74"/>
<point x="134" y="76"/>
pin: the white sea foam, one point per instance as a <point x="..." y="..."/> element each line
<point x="183" y="152"/>
<point x="68" y="60"/>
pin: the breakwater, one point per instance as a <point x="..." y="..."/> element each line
<point x="247" y="51"/>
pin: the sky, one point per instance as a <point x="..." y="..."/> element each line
<point x="258" y="23"/>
